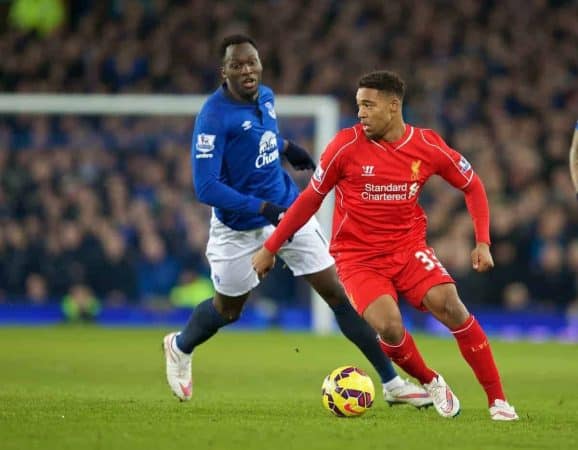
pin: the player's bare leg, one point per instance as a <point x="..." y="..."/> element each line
<point x="444" y="303"/>
<point x="205" y="321"/>
<point x="384" y="316"/>
<point x="395" y="389"/>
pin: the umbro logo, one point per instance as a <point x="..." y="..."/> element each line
<point x="367" y="171"/>
<point x="246" y="125"/>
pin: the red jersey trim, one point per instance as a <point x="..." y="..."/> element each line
<point x="322" y="179"/>
<point x="411" y="130"/>
<point x="468" y="181"/>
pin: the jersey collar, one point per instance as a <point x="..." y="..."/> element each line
<point x="231" y="99"/>
<point x="407" y="134"/>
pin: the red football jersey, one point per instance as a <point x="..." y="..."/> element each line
<point x="377" y="184"/>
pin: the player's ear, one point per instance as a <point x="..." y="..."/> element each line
<point x="223" y="76"/>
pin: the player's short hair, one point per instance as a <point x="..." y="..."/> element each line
<point x="384" y="81"/>
<point x="235" y="39"/>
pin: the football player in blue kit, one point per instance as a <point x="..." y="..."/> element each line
<point x="236" y="159"/>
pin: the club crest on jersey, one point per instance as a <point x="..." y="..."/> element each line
<point x="415" y="165"/>
<point x="367" y="171"/>
<point x="246" y="125"/>
<point x="464" y="165"/>
<point x="205" y="145"/>
<point x="271" y="110"/>
<point x="268" y="150"/>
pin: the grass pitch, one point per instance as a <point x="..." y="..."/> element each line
<point x="94" y="388"/>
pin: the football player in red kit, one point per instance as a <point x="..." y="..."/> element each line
<point x="378" y="168"/>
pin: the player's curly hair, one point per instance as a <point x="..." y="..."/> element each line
<point x="383" y="80"/>
<point x="235" y="39"/>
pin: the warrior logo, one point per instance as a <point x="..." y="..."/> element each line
<point x="367" y="171"/>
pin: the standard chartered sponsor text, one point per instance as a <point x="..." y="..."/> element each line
<point x="385" y="192"/>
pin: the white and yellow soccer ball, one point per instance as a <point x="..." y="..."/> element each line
<point x="347" y="392"/>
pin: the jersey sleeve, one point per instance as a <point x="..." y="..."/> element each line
<point x="450" y="164"/>
<point x="207" y="151"/>
<point x="456" y="170"/>
<point x="328" y="172"/>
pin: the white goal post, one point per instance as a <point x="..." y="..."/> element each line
<point x="322" y="109"/>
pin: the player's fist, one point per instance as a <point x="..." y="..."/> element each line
<point x="482" y="260"/>
<point x="272" y="212"/>
<point x="298" y="157"/>
<point x="263" y="261"/>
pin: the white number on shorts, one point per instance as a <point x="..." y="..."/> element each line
<point x="428" y="259"/>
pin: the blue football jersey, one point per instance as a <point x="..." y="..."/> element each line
<point x="236" y="159"/>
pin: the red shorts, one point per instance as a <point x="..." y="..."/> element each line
<point x="410" y="273"/>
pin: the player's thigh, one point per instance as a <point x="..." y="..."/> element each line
<point x="364" y="285"/>
<point x="229" y="254"/>
<point x="308" y="250"/>
<point x="421" y="272"/>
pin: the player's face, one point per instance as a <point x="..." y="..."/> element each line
<point x="375" y="111"/>
<point x="242" y="71"/>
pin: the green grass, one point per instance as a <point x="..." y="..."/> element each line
<point x="93" y="388"/>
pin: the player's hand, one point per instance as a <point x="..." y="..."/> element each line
<point x="298" y="157"/>
<point x="263" y="261"/>
<point x="272" y="212"/>
<point x="482" y="260"/>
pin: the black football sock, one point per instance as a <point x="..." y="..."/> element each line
<point x="204" y="323"/>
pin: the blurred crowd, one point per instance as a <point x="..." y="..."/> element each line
<point x="105" y="206"/>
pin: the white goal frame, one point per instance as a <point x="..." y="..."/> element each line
<point x="324" y="111"/>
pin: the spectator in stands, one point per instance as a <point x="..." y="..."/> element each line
<point x="114" y="277"/>
<point x="36" y="290"/>
<point x="157" y="271"/>
<point x="80" y="304"/>
<point x="43" y="16"/>
<point x="191" y="290"/>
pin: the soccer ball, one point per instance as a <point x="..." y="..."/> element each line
<point x="347" y="392"/>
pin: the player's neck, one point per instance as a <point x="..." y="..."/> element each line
<point x="395" y="132"/>
<point x="238" y="97"/>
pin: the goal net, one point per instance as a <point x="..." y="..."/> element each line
<point x="320" y="111"/>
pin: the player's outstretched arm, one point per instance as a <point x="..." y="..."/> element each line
<point x="574" y="159"/>
<point x="296" y="216"/>
<point x="478" y="207"/>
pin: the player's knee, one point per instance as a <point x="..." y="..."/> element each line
<point x="229" y="308"/>
<point x="333" y="295"/>
<point x="230" y="314"/>
<point x="335" y="298"/>
<point x="455" y="311"/>
<point x="327" y="285"/>
<point x="451" y="311"/>
<point x="390" y="329"/>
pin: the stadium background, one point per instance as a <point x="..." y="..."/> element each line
<point x="98" y="215"/>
